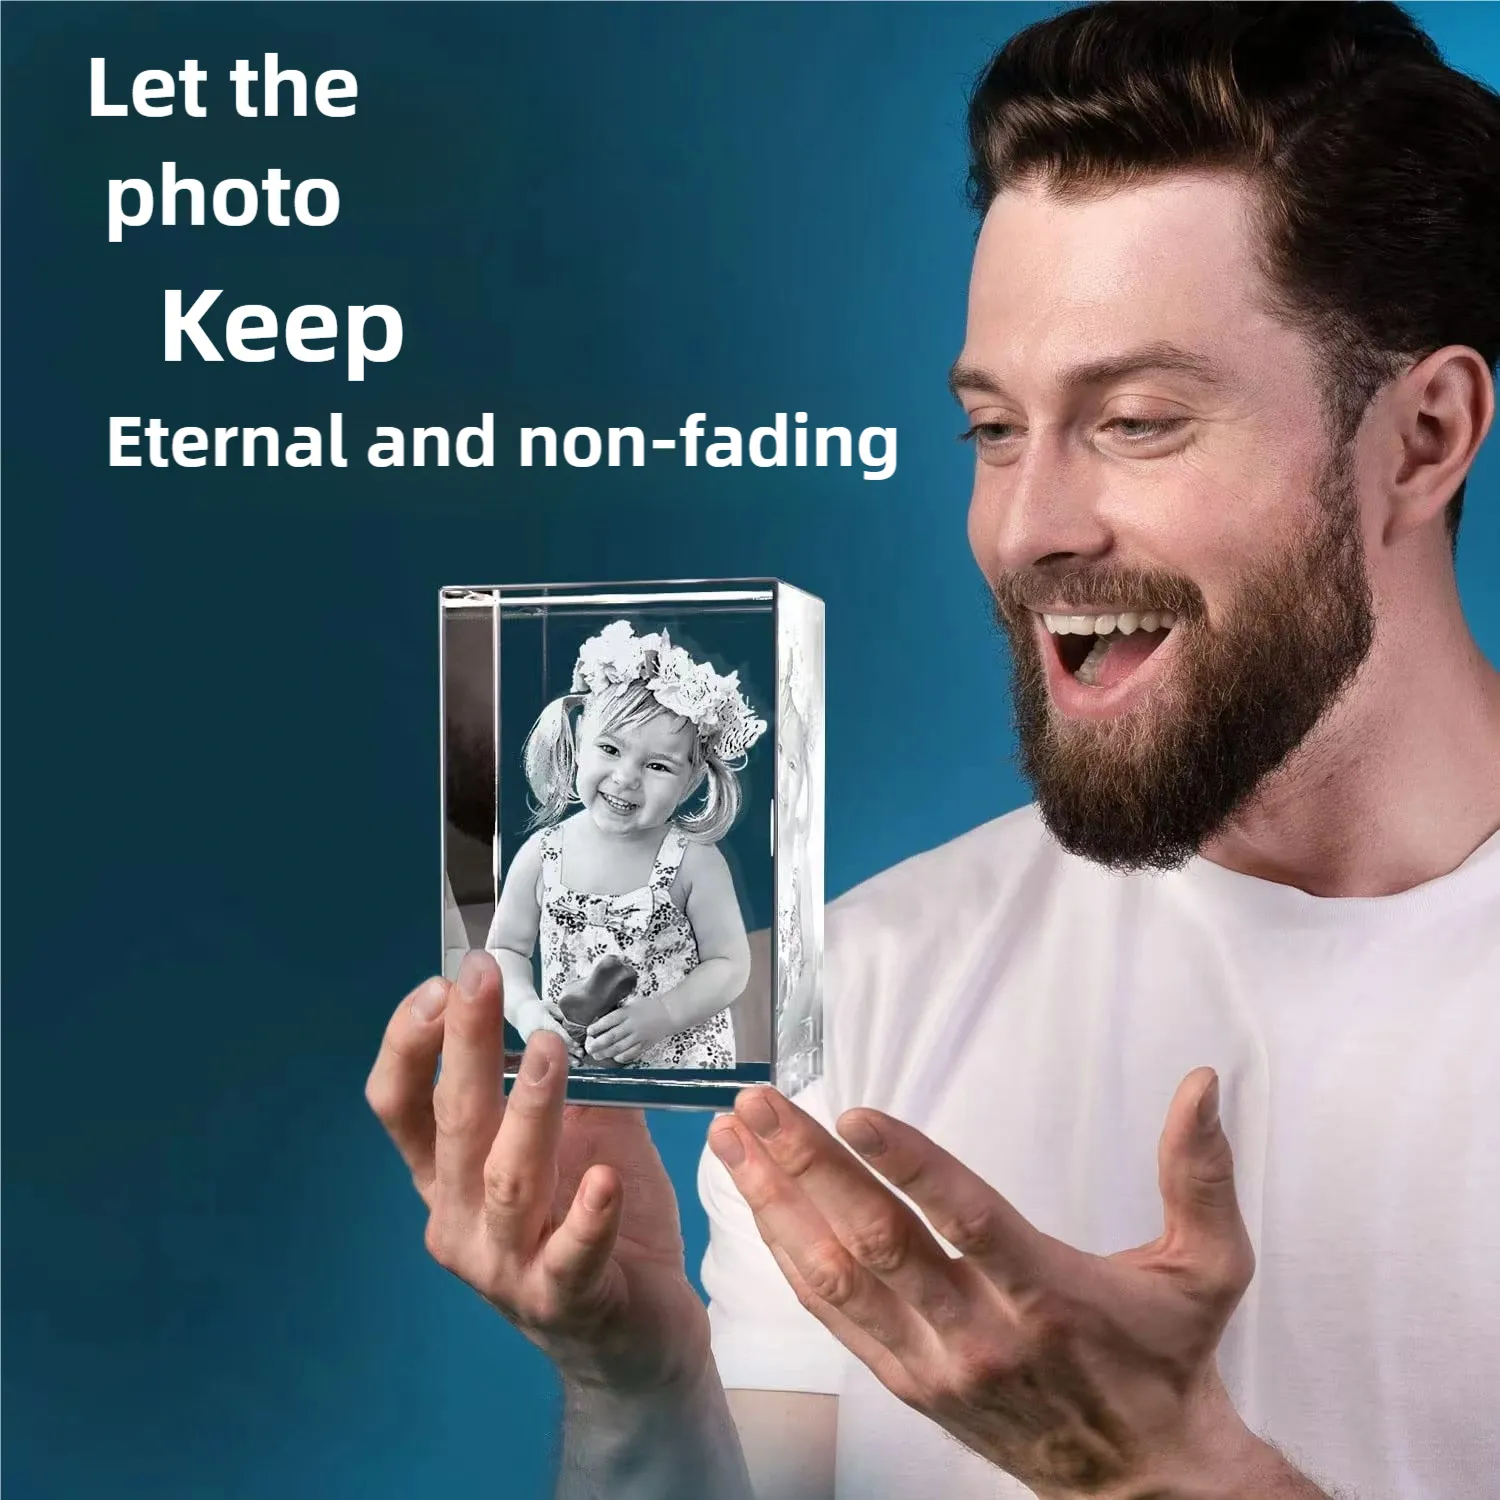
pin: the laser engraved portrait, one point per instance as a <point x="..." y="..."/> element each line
<point x="643" y="944"/>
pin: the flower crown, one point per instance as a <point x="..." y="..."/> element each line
<point x="617" y="656"/>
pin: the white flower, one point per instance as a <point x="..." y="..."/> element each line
<point x="683" y="686"/>
<point x="738" y="729"/>
<point x="615" y="655"/>
<point x="693" y="690"/>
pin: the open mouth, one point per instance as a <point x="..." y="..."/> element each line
<point x="615" y="804"/>
<point x="1102" y="651"/>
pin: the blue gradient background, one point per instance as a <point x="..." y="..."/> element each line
<point x="221" y="689"/>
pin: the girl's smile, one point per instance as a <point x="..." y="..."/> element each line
<point x="634" y="777"/>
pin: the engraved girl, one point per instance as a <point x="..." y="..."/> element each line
<point x="643" y="947"/>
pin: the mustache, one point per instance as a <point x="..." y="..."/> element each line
<point x="1021" y="592"/>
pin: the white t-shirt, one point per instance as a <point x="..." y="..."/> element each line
<point x="1033" y="1014"/>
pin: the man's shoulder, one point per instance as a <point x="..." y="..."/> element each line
<point x="904" y="947"/>
<point x="968" y="874"/>
<point x="932" y="906"/>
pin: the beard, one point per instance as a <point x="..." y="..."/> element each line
<point x="1146" y="790"/>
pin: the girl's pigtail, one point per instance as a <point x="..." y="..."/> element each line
<point x="551" y="760"/>
<point x="721" y="802"/>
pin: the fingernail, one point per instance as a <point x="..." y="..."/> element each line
<point x="535" y="1065"/>
<point x="1208" y="1105"/>
<point x="863" y="1136"/>
<point x="756" y="1111"/>
<point x="597" y="1195"/>
<point x="471" y="972"/>
<point x="427" y="1004"/>
<point x="728" y="1146"/>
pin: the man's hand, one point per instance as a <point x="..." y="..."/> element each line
<point x="624" y="1034"/>
<point x="1076" y="1373"/>
<point x="562" y="1218"/>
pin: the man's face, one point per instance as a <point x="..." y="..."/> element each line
<point x="1174" y="548"/>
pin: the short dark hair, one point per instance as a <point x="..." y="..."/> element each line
<point x="1377" y="165"/>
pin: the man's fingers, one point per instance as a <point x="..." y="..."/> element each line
<point x="959" y="1204"/>
<point x="467" y="1101"/>
<point x="827" y="1274"/>
<point x="578" y="1252"/>
<point x="520" y="1168"/>
<point x="1196" y="1174"/>
<point x="886" y="1365"/>
<point x="877" y="1229"/>
<point x="399" y="1088"/>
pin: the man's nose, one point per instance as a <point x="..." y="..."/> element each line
<point x="1044" y="508"/>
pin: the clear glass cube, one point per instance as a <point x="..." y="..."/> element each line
<point x="632" y="797"/>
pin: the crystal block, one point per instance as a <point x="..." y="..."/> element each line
<point x="633" y="825"/>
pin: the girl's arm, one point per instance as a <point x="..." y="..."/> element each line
<point x="723" y="969"/>
<point x="512" y="940"/>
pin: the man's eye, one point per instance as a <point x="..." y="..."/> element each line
<point x="987" y="434"/>
<point x="1139" y="429"/>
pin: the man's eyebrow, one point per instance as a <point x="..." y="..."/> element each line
<point x="1169" y="358"/>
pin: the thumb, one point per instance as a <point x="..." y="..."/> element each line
<point x="1196" y="1174"/>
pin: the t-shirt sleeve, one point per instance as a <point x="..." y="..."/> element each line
<point x="763" y="1338"/>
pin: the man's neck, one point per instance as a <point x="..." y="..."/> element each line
<point x="1397" y="786"/>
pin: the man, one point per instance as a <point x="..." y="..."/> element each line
<point x="1234" y="310"/>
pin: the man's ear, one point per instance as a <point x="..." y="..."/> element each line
<point x="1439" y="413"/>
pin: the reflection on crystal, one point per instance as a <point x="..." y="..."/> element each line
<point x="799" y="905"/>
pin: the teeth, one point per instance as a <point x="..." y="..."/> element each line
<point x="1104" y="627"/>
<point x="1126" y="623"/>
<point x="1089" y="670"/>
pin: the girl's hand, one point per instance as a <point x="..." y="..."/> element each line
<point x="624" y="1034"/>
<point x="536" y="1015"/>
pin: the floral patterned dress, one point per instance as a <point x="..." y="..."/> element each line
<point x="648" y="930"/>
